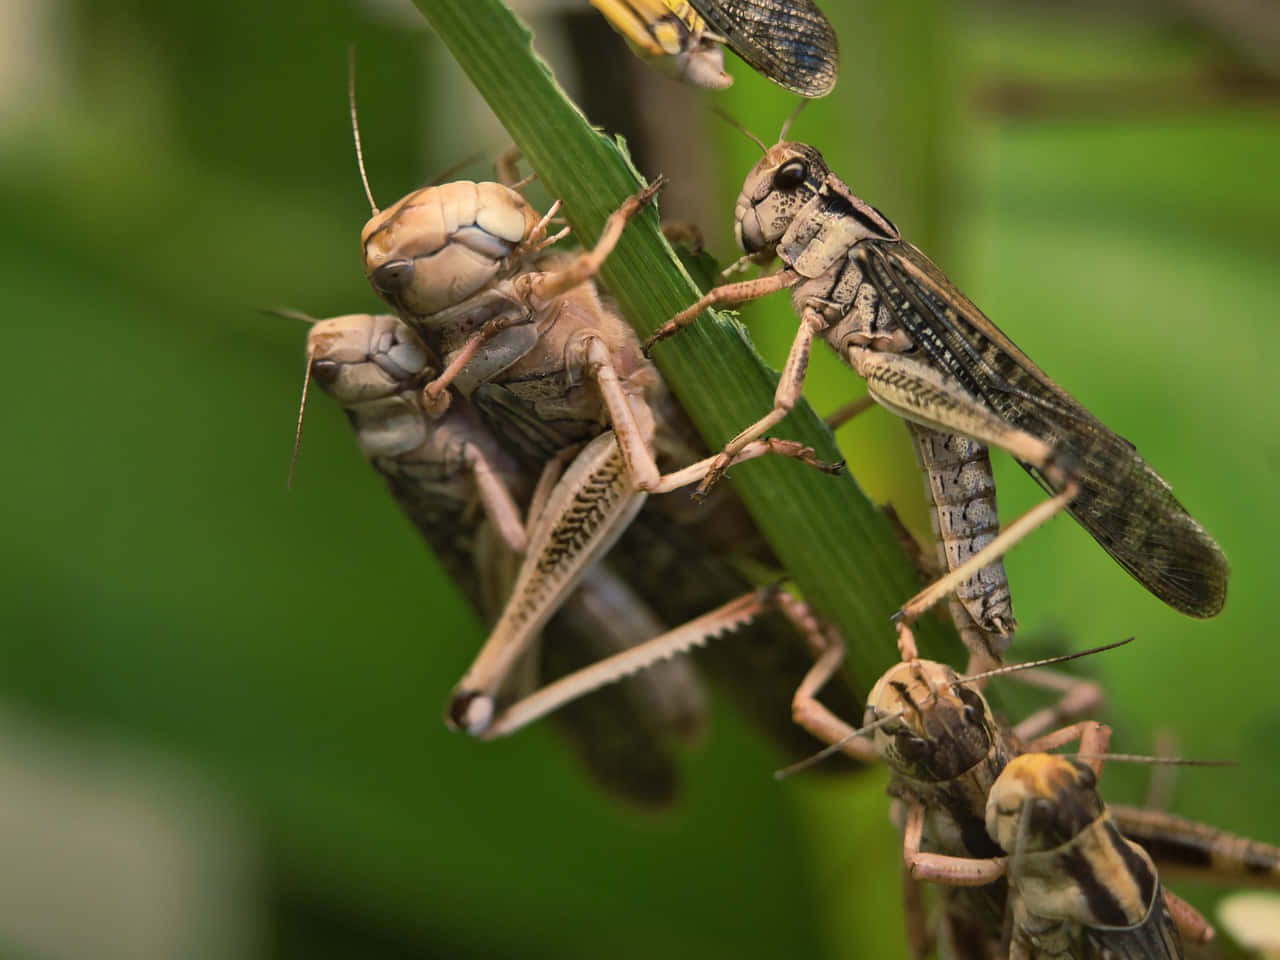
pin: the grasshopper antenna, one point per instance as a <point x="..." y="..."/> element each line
<point x="1032" y="664"/>
<point x="290" y="314"/>
<point x="355" y="127"/>
<point x="456" y="168"/>
<point x="302" y="410"/>
<point x="791" y="118"/>
<point x="723" y="115"/>
<point x="1154" y="761"/>
<point x="825" y="752"/>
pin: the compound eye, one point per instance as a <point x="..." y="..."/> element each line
<point x="914" y="748"/>
<point x="790" y="175"/>
<point x="973" y="712"/>
<point x="391" y="279"/>
<point x="325" y="372"/>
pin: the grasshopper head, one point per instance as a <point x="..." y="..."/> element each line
<point x="1041" y="801"/>
<point x="945" y="728"/>
<point x="440" y="245"/>
<point x="778" y="186"/>
<point x="373" y="366"/>
<point x="361" y="357"/>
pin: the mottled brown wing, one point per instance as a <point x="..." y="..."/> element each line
<point x="788" y="41"/>
<point x="1124" y="504"/>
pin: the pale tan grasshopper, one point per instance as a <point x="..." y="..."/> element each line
<point x="467" y="496"/>
<point x="527" y="339"/>
<point x="788" y="41"/>
<point x="930" y="356"/>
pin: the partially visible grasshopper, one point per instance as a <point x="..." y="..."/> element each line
<point x="467" y="497"/>
<point x="946" y="751"/>
<point x="1078" y="887"/>
<point x="932" y="357"/>
<point x="788" y="41"/>
<point x="670" y="35"/>
<point x="525" y="336"/>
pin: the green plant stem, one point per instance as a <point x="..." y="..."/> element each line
<point x="835" y="544"/>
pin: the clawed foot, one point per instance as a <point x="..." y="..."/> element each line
<point x="436" y="399"/>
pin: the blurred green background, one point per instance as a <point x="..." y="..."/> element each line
<point x="252" y="680"/>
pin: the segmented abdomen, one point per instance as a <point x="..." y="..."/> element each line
<point x="962" y="497"/>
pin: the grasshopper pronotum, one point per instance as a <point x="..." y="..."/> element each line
<point x="932" y="357"/>
<point x="788" y="41"/>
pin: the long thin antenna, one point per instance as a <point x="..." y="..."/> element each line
<point x="740" y="128"/>
<point x="1154" y="761"/>
<point x="355" y="125"/>
<point x="825" y="752"/>
<point x="456" y="168"/>
<point x="290" y="314"/>
<point x="1030" y="664"/>
<point x="302" y="410"/>
<point x="791" y="118"/>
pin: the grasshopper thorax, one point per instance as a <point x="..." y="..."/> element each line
<point x="944" y="728"/>
<point x="440" y="245"/>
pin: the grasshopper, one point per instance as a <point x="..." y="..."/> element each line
<point x="1078" y="887"/>
<point x="932" y="357"/>
<point x="946" y="752"/>
<point x="467" y="498"/>
<point x="525" y="337"/>
<point x="788" y="41"/>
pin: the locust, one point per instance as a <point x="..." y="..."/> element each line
<point x="559" y="377"/>
<point x="788" y="41"/>
<point x="929" y="355"/>
<point x="1078" y="887"/>
<point x="468" y="498"/>
<point x="946" y="752"/>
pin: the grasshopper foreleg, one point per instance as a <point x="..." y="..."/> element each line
<point x="785" y="397"/>
<point x="727" y="294"/>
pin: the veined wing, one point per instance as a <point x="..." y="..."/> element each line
<point x="789" y="41"/>
<point x="1124" y="504"/>
<point x="1156" y="938"/>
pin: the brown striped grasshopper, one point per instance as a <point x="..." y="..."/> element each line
<point x="933" y="358"/>
<point x="1078" y="887"/>
<point x="946" y="752"/>
<point x="788" y="41"/>
<point x="468" y="497"/>
<point x="525" y="337"/>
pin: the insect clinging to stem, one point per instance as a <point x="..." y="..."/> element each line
<point x="929" y="355"/>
